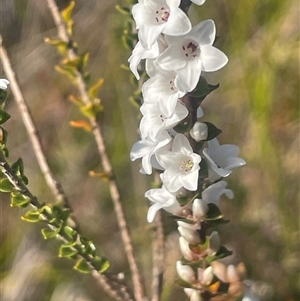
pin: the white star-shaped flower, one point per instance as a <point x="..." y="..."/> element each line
<point x="161" y="89"/>
<point x="221" y="159"/>
<point x="192" y="53"/>
<point x="154" y="17"/>
<point x="181" y="165"/>
<point x="213" y="193"/>
<point x="146" y="148"/>
<point x="161" y="198"/>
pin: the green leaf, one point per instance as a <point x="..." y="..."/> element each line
<point x="67" y="12"/>
<point x="3" y="116"/>
<point x="3" y="95"/>
<point x="203" y="169"/>
<point x="61" y="214"/>
<point x="212" y="130"/>
<point x="18" y="167"/>
<point x="213" y="213"/>
<point x="93" y="90"/>
<point x="6" y="186"/>
<point x="184" y="126"/>
<point x="123" y="10"/>
<point x="101" y="264"/>
<point x="183" y="283"/>
<point x="222" y="253"/>
<point x="66" y="250"/>
<point x="70" y="71"/>
<point x="19" y="200"/>
<point x="82" y="266"/>
<point x="48" y="233"/>
<point x="32" y="216"/>
<point x="3" y="137"/>
<point x="203" y="89"/>
<point x="71" y="233"/>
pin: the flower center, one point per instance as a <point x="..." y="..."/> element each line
<point x="190" y="49"/>
<point x="162" y="15"/>
<point x="186" y="165"/>
<point x="172" y="85"/>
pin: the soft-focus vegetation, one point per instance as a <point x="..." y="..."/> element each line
<point x="256" y="106"/>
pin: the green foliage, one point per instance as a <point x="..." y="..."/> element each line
<point x="67" y="16"/>
<point x="3" y="115"/>
<point x="19" y="200"/>
<point x="222" y="253"/>
<point x="203" y="89"/>
<point x="82" y="266"/>
<point x="32" y="216"/>
<point x="6" y="186"/>
<point x="18" y="168"/>
<point x="212" y="131"/>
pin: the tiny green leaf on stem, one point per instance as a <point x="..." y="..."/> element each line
<point x="32" y="216"/>
<point x="71" y="233"/>
<point x="19" y="200"/>
<point x="82" y="266"/>
<point x="6" y="186"/>
<point x="222" y="253"/>
<point x="123" y="10"/>
<point x="203" y="89"/>
<point x="66" y="250"/>
<point x="93" y="90"/>
<point x="3" y="115"/>
<point x="67" y="12"/>
<point x="48" y="233"/>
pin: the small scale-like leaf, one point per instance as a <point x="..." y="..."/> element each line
<point x="3" y="137"/>
<point x="82" y="124"/>
<point x="93" y="90"/>
<point x="19" y="200"/>
<point x="101" y="264"/>
<point x="3" y="116"/>
<point x="222" y="253"/>
<point x="212" y="131"/>
<point x="67" y="12"/>
<point x="66" y="70"/>
<point x="32" y="216"/>
<point x="123" y="10"/>
<point x="67" y="251"/>
<point x="203" y="89"/>
<point x="48" y="233"/>
<point x="183" y="283"/>
<point x="82" y="266"/>
<point x="102" y="175"/>
<point x="6" y="186"/>
<point x="213" y="213"/>
<point x="3" y="95"/>
<point x="70" y="232"/>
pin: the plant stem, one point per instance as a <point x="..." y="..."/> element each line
<point x="114" y="191"/>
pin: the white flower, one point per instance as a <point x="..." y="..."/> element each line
<point x="161" y="199"/>
<point x="200" y="208"/>
<point x="213" y="193"/>
<point x="3" y="83"/>
<point x="146" y="148"/>
<point x="139" y="53"/>
<point x="221" y="159"/>
<point x="181" y="165"/>
<point x="192" y="53"/>
<point x="154" y="121"/>
<point x="154" y="17"/>
<point x="161" y="89"/>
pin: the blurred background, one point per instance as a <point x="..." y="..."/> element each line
<point x="256" y="106"/>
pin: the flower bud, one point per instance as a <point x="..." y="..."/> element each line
<point x="232" y="274"/>
<point x="214" y="243"/>
<point x="190" y="235"/>
<point x="199" y="131"/>
<point x="207" y="276"/>
<point x="200" y="208"/>
<point x="185" y="249"/>
<point x="185" y="272"/>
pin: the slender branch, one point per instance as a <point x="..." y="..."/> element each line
<point x="115" y="195"/>
<point x="111" y="284"/>
<point x="53" y="184"/>
<point x="158" y="247"/>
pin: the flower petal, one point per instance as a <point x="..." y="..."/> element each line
<point x="212" y="58"/>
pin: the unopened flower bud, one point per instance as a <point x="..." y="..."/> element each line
<point x="232" y="274"/>
<point x="185" y="272"/>
<point x="200" y="208"/>
<point x="199" y="131"/>
<point x="214" y="243"/>
<point x="190" y="235"/>
<point x="185" y="249"/>
<point x="207" y="276"/>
